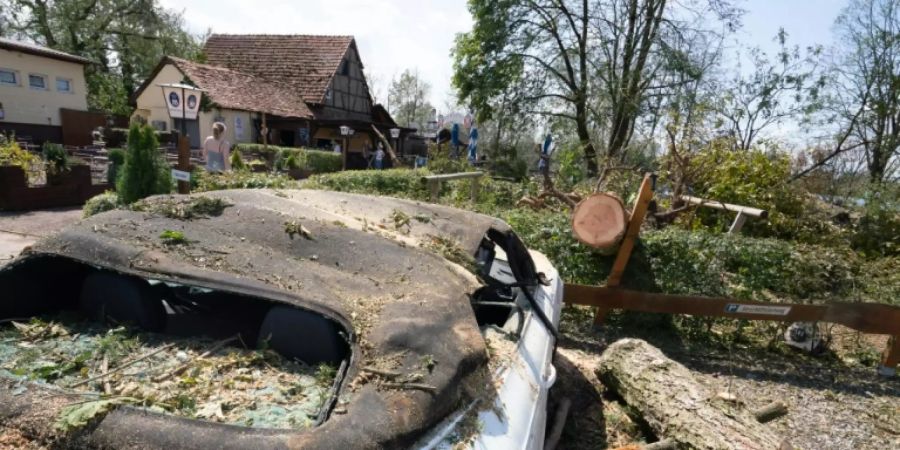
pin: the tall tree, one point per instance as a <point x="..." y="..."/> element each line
<point x="591" y="62"/>
<point x="785" y="88"/>
<point x="867" y="95"/>
<point x="124" y="38"/>
<point x="407" y="99"/>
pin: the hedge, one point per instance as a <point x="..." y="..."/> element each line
<point x="316" y="161"/>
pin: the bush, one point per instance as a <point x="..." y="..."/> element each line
<point x="145" y="172"/>
<point x="106" y="201"/>
<point x="318" y="161"/>
<point x="394" y="182"/>
<point x="237" y="161"/>
<point x="201" y="181"/>
<point x="756" y="179"/>
<point x="116" y="159"/>
<point x="877" y="233"/>
<point x="56" y="157"/>
<point x="11" y="154"/>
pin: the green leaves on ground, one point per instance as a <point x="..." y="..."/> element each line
<point x="78" y="415"/>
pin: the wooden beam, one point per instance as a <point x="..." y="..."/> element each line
<point x="753" y="212"/>
<point x="872" y="318"/>
<point x="738" y="223"/>
<point x="645" y="194"/>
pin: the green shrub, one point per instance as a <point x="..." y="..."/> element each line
<point x="116" y="160"/>
<point x="202" y="182"/>
<point x="757" y="179"/>
<point x="56" y="157"/>
<point x="237" y="161"/>
<point x="439" y="161"/>
<point x="318" y="161"/>
<point x="878" y="231"/>
<point x="394" y="182"/>
<point x="11" y="154"/>
<point x="106" y="201"/>
<point x="292" y="162"/>
<point x="145" y="172"/>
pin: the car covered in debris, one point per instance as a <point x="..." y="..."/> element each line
<point x="438" y="326"/>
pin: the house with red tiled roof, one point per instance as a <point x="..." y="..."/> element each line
<point x="306" y="87"/>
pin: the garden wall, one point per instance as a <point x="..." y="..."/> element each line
<point x="74" y="189"/>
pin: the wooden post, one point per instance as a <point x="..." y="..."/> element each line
<point x="265" y="134"/>
<point x="435" y="187"/>
<point x="184" y="162"/>
<point x="645" y="194"/>
<point x="738" y="223"/>
<point x="475" y="187"/>
<point x="891" y="357"/>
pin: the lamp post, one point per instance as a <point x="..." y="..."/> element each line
<point x="346" y="132"/>
<point x="395" y="135"/>
<point x="183" y="102"/>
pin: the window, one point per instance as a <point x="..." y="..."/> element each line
<point x="37" y="81"/>
<point x="64" y="85"/>
<point x="345" y="67"/>
<point x="9" y="77"/>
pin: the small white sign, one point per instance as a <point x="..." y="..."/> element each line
<point x="181" y="175"/>
<point x="758" y="309"/>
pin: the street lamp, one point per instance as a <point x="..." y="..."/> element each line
<point x="346" y="132"/>
<point x="395" y="134"/>
<point x="183" y="102"/>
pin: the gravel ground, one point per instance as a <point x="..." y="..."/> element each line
<point x="831" y="405"/>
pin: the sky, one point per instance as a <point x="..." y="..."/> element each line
<point x="394" y="35"/>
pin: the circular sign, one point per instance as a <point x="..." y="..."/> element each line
<point x="173" y="99"/>
<point x="192" y="101"/>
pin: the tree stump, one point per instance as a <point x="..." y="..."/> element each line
<point x="675" y="405"/>
<point x="599" y="221"/>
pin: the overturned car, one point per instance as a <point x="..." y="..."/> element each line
<point x="438" y="323"/>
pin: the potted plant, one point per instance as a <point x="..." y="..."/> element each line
<point x="57" y="161"/>
<point x="294" y="168"/>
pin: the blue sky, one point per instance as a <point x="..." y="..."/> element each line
<point x="397" y="34"/>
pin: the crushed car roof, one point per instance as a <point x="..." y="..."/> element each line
<point x="363" y="261"/>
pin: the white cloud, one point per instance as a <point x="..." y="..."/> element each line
<point x="392" y="35"/>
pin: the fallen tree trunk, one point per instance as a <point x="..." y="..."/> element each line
<point x="676" y="407"/>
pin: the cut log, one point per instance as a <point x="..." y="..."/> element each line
<point x="599" y="221"/>
<point x="675" y="405"/>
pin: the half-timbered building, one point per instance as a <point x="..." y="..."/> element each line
<point x="305" y="87"/>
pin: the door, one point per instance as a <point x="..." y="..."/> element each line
<point x="193" y="131"/>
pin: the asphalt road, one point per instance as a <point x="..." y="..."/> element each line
<point x="21" y="229"/>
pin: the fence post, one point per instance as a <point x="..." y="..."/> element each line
<point x="738" y="223"/>
<point x="435" y="187"/>
<point x="475" y="186"/>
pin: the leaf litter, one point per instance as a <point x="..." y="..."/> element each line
<point x="197" y="378"/>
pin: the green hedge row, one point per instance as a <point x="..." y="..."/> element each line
<point x="316" y="161"/>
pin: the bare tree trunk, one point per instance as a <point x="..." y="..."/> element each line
<point x="674" y="405"/>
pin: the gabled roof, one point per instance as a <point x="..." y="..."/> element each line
<point x="236" y="90"/>
<point x="305" y="62"/>
<point x="34" y="49"/>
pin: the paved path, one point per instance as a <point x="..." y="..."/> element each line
<point x="21" y="229"/>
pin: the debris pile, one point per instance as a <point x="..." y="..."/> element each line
<point x="189" y="377"/>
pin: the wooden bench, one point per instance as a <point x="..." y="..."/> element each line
<point x="742" y="211"/>
<point x="434" y="183"/>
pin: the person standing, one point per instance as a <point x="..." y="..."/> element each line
<point x="379" y="157"/>
<point x="216" y="150"/>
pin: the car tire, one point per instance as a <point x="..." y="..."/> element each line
<point x="304" y="335"/>
<point x="123" y="299"/>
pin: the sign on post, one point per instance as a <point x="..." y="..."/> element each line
<point x="181" y="175"/>
<point x="183" y="102"/>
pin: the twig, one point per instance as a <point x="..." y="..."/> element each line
<point x="104" y="367"/>
<point x="770" y="412"/>
<point x="123" y="366"/>
<point x="14" y="319"/>
<point x="178" y="370"/>
<point x="384" y="373"/>
<point x="414" y="386"/>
